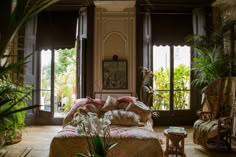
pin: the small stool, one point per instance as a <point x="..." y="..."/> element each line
<point x="175" y="143"/>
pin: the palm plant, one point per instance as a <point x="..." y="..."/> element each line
<point x="211" y="61"/>
<point x="14" y="94"/>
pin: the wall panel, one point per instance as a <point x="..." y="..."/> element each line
<point x="114" y="35"/>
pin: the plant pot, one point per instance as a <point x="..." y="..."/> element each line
<point x="2" y="139"/>
<point x="13" y="140"/>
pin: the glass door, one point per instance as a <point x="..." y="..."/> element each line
<point x="57" y="81"/>
<point x="45" y="81"/>
<point x="171" y="80"/>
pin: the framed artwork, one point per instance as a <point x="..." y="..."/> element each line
<point x="114" y="74"/>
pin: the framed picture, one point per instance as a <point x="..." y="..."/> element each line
<point x="115" y="74"/>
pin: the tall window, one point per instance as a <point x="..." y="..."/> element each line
<point x="59" y="65"/>
<point x="45" y="82"/>
<point x="171" y="68"/>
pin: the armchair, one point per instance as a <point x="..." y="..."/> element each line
<point x="213" y="129"/>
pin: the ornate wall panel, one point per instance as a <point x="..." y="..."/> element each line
<point x="114" y="35"/>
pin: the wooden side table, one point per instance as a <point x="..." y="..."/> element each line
<point x="175" y="143"/>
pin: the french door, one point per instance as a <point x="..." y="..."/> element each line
<point x="57" y="81"/>
<point x="171" y="82"/>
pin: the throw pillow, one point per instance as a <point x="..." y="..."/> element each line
<point x="127" y="99"/>
<point x="77" y="103"/>
<point x="95" y="101"/>
<point x="141" y="109"/>
<point x="124" y="118"/>
<point x="110" y="104"/>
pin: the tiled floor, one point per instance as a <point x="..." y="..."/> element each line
<point x="36" y="142"/>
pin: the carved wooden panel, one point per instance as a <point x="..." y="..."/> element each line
<point x="114" y="35"/>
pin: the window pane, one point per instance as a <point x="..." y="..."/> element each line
<point x="161" y="78"/>
<point x="161" y="100"/>
<point x="45" y="81"/>
<point x="45" y="100"/>
<point x="161" y="67"/>
<point x="181" y="77"/>
<point x="65" y="81"/>
<point x="181" y="100"/>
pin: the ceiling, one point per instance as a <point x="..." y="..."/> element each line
<point x="146" y="5"/>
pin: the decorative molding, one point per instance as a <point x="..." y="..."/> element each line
<point x="114" y="35"/>
<point x="115" y="24"/>
<point x="114" y="5"/>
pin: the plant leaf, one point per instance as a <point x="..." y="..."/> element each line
<point x="98" y="146"/>
<point x="81" y="155"/>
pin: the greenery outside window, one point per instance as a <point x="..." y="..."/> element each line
<point x="171" y="77"/>
<point x="58" y="80"/>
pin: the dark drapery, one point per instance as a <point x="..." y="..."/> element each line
<point x="56" y="29"/>
<point x="171" y="29"/>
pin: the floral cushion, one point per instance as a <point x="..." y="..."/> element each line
<point x="95" y="101"/>
<point x="110" y="104"/>
<point x="124" y="118"/>
<point x="127" y="99"/>
<point x="77" y="103"/>
<point x="141" y="109"/>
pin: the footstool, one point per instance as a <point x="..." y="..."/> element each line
<point x="175" y="142"/>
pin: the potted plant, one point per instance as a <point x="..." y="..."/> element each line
<point x="211" y="60"/>
<point x="14" y="94"/>
<point x="14" y="123"/>
<point x="96" y="131"/>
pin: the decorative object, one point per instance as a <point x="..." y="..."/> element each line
<point x="96" y="131"/>
<point x="115" y="75"/>
<point x="115" y="58"/>
<point x="149" y="91"/>
<point x="146" y="84"/>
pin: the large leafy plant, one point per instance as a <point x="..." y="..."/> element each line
<point x="13" y="93"/>
<point x="14" y="14"/>
<point x="212" y="60"/>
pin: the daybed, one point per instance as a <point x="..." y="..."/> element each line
<point x="131" y="128"/>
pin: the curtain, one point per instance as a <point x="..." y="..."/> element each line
<point x="171" y="29"/>
<point x="56" y="29"/>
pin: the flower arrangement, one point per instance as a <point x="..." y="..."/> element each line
<point x="97" y="133"/>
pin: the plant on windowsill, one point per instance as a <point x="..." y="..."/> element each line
<point x="14" y="94"/>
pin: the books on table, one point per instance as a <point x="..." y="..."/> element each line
<point x="176" y="130"/>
